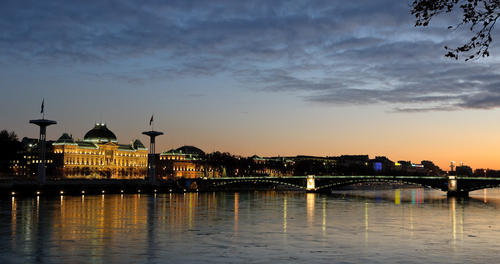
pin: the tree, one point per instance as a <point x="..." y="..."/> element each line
<point x="9" y="149"/>
<point x="479" y="15"/>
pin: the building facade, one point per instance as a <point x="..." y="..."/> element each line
<point x="99" y="156"/>
<point x="25" y="165"/>
<point x="185" y="162"/>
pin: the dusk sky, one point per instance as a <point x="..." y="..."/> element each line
<point x="252" y="77"/>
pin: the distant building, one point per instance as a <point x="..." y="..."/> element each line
<point x="463" y="170"/>
<point x="382" y="165"/>
<point x="26" y="165"/>
<point x="354" y="165"/>
<point x="99" y="156"/>
<point x="306" y="165"/>
<point x="356" y="160"/>
<point x="479" y="173"/>
<point x="493" y="173"/>
<point x="184" y="162"/>
<point x="270" y="166"/>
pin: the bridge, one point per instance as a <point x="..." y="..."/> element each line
<point x="452" y="185"/>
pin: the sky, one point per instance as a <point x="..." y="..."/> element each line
<point x="252" y="77"/>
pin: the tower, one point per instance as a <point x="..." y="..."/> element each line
<point x="43" y="124"/>
<point x="452" y="166"/>
<point x="151" y="157"/>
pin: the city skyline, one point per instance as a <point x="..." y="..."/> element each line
<point x="268" y="78"/>
<point x="145" y="138"/>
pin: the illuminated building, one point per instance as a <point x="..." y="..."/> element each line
<point x="184" y="162"/>
<point x="99" y="156"/>
<point x="382" y="164"/>
<point x="26" y="164"/>
<point x="272" y="167"/>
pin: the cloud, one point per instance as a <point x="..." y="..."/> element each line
<point x="327" y="52"/>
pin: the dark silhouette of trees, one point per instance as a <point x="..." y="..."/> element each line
<point x="9" y="149"/>
<point x="223" y="161"/>
<point x="479" y="16"/>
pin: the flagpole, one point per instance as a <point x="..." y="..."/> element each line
<point x="43" y="108"/>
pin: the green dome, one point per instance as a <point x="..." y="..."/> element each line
<point x="190" y="150"/>
<point x="100" y="134"/>
<point x="65" y="139"/>
<point x="138" y="145"/>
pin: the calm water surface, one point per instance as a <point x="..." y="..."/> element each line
<point x="389" y="226"/>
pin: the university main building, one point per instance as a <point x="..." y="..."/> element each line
<point x="99" y="156"/>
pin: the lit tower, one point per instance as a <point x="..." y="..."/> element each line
<point x="152" y="134"/>
<point x="43" y="124"/>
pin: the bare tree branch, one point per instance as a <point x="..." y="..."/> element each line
<point x="479" y="15"/>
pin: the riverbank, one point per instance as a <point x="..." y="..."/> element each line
<point x="19" y="188"/>
<point x="82" y="186"/>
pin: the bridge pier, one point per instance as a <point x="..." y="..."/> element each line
<point x="453" y="190"/>
<point x="311" y="184"/>
<point x="457" y="194"/>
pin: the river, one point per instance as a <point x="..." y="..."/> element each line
<point x="376" y="226"/>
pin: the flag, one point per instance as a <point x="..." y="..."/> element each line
<point x="43" y="104"/>
<point x="151" y="120"/>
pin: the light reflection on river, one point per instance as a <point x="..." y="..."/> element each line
<point x="386" y="226"/>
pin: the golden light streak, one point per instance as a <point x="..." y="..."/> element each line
<point x="366" y="222"/>
<point x="284" y="214"/>
<point x="453" y="203"/>
<point x="14" y="219"/>
<point x="323" y="226"/>
<point x="310" y="197"/>
<point x="236" y="213"/>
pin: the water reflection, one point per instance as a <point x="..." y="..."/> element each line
<point x="236" y="213"/>
<point x="323" y="226"/>
<point x="311" y="197"/>
<point x="284" y="214"/>
<point x="453" y="210"/>
<point x="366" y="222"/>
<point x="354" y="226"/>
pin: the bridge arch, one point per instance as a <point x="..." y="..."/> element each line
<point x="331" y="185"/>
<point x="480" y="187"/>
<point x="275" y="181"/>
<point x="327" y="182"/>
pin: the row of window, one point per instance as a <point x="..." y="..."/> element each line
<point x="97" y="153"/>
<point x="87" y="161"/>
<point x="173" y="158"/>
<point x="187" y="169"/>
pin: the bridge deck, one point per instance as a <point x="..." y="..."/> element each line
<point x="340" y="177"/>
